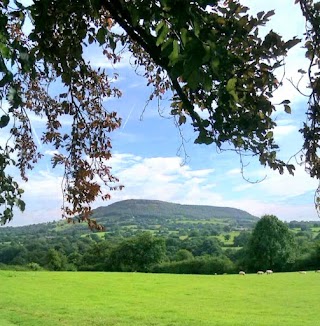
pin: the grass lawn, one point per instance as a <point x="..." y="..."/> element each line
<point x="80" y="298"/>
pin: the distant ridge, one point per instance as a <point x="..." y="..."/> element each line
<point x="140" y="208"/>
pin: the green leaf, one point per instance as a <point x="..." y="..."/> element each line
<point x="291" y="169"/>
<point x="4" y="121"/>
<point x="174" y="56"/>
<point x="203" y="139"/>
<point x="8" y="77"/>
<point x="234" y="95"/>
<point x="231" y="88"/>
<point x="207" y="83"/>
<point x="21" y="204"/>
<point x="268" y="14"/>
<point x="215" y="63"/>
<point x="301" y="71"/>
<point x="163" y="34"/>
<point x="101" y="35"/>
<point x="184" y="36"/>
<point x="269" y="134"/>
<point x="4" y="50"/>
<point x="135" y="17"/>
<point x="260" y="14"/>
<point x="231" y="85"/>
<point x="13" y="97"/>
<point x="159" y="26"/>
<point x="193" y="79"/>
<point x="287" y="109"/>
<point x="182" y="120"/>
<point x="292" y="43"/>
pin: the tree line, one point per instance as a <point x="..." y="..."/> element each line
<point x="270" y="245"/>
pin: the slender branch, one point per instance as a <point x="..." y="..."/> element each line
<point x="148" y="43"/>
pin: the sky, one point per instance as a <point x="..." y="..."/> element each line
<point x="149" y="163"/>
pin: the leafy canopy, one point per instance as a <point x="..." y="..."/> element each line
<point x="271" y="245"/>
<point x="208" y="55"/>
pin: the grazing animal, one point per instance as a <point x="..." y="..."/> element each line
<point x="242" y="273"/>
<point x="318" y="271"/>
<point x="260" y="272"/>
<point x="303" y="272"/>
<point x="269" y="271"/>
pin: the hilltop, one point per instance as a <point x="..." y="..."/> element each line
<point x="141" y="208"/>
<point x="156" y="211"/>
<point x="141" y="214"/>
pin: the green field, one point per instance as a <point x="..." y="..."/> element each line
<point x="78" y="298"/>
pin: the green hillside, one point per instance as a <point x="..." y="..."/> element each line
<point x="159" y="210"/>
<point x="130" y="216"/>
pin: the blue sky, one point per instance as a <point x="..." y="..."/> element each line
<point x="147" y="162"/>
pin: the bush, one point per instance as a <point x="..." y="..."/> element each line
<point x="34" y="266"/>
<point x="198" y="265"/>
<point x="18" y="268"/>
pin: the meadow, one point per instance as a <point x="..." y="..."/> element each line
<point x="84" y="298"/>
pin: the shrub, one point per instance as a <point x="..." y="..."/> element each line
<point x="34" y="266"/>
<point x="198" y="265"/>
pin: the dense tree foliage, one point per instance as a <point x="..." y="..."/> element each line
<point x="138" y="254"/>
<point x="208" y="56"/>
<point x="59" y="246"/>
<point x="271" y="245"/>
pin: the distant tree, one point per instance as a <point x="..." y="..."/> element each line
<point x="55" y="260"/>
<point x="227" y="237"/>
<point x="34" y="266"/>
<point x="308" y="259"/>
<point x="206" y="246"/>
<point x="198" y="265"/>
<point x="242" y="239"/>
<point x="183" y="254"/>
<point x="95" y="237"/>
<point x="226" y="228"/>
<point x="9" y="253"/>
<point x="138" y="253"/>
<point x="271" y="245"/>
<point x="96" y="256"/>
<point x="194" y="233"/>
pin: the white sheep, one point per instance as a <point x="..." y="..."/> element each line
<point x="242" y="273"/>
<point x="303" y="272"/>
<point x="269" y="271"/>
<point x="318" y="271"/>
<point x="260" y="272"/>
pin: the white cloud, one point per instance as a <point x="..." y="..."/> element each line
<point x="288" y="186"/>
<point x="281" y="131"/>
<point x="43" y="185"/>
<point x="51" y="152"/>
<point x="233" y="172"/>
<point x="98" y="60"/>
<point x="281" y="210"/>
<point x="243" y="187"/>
<point x="163" y="178"/>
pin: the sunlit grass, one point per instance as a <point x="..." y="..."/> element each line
<point x="78" y="298"/>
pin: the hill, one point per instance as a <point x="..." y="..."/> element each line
<point x="140" y="214"/>
<point x="155" y="211"/>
